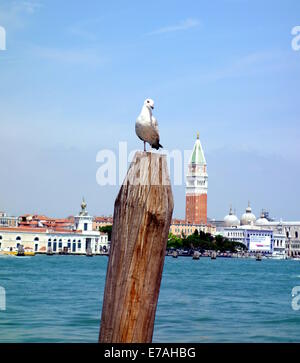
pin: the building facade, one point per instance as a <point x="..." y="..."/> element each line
<point x="180" y="228"/>
<point x="196" y="187"/>
<point x="101" y="222"/>
<point x="8" y="221"/>
<point x="41" y="239"/>
<point x="291" y="232"/>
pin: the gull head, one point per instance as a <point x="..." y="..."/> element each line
<point x="149" y="103"/>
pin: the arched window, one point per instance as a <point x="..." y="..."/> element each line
<point x="287" y="234"/>
<point x="18" y="238"/>
<point x="36" y="239"/>
<point x="0" y="237"/>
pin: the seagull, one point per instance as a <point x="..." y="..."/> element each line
<point x="146" y="126"/>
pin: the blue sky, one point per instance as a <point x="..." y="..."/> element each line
<point x="75" y="74"/>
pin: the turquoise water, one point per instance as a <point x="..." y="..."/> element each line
<point x="59" y="298"/>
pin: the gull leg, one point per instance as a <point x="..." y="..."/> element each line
<point x="144" y="145"/>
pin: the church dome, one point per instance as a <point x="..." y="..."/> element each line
<point x="248" y="218"/>
<point x="231" y="220"/>
<point x="262" y="221"/>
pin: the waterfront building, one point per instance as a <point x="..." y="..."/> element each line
<point x="256" y="239"/>
<point x="181" y="228"/>
<point x="8" y="221"/>
<point x="101" y="222"/>
<point x="36" y="220"/>
<point x="291" y="232"/>
<point x="40" y="238"/>
<point x="196" y="187"/>
<point x="263" y="232"/>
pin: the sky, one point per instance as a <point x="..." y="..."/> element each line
<point x="74" y="76"/>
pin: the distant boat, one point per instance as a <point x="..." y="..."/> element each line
<point x="89" y="252"/>
<point x="64" y="251"/>
<point x="175" y="254"/>
<point x="15" y="253"/>
<point x="21" y="251"/>
<point x="258" y="257"/>
<point x="213" y="255"/>
<point x="49" y="252"/>
<point x="196" y="255"/>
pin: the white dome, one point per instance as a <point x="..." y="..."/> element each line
<point x="248" y="218"/>
<point x="262" y="221"/>
<point x="231" y="220"/>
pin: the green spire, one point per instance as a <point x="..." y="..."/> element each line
<point x="197" y="156"/>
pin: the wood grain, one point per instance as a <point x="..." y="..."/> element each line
<point x="142" y="217"/>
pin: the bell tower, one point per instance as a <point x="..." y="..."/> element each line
<point x="196" y="187"/>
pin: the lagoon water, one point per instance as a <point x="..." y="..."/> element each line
<point x="59" y="299"/>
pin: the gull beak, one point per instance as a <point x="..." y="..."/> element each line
<point x="152" y="107"/>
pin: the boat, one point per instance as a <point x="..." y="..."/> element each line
<point x="49" y="252"/>
<point x="213" y="255"/>
<point x="175" y="254"/>
<point x="89" y="252"/>
<point x="64" y="251"/>
<point x="21" y="251"/>
<point x="15" y="253"/>
<point x="196" y="255"/>
<point x="258" y="257"/>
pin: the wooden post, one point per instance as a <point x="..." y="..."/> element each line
<point x="142" y="218"/>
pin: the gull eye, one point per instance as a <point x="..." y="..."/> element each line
<point x="148" y="101"/>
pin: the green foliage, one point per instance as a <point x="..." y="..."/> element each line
<point x="205" y="241"/>
<point x="106" y="229"/>
<point x="174" y="241"/>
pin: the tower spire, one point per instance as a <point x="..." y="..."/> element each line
<point x="196" y="186"/>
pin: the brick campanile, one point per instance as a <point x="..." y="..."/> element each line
<point x="196" y="187"/>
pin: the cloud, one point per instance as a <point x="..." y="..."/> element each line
<point x="14" y="13"/>
<point x="183" y="25"/>
<point x="88" y="56"/>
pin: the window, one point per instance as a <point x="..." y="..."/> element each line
<point x="74" y="247"/>
<point x="0" y="237"/>
<point x="85" y="226"/>
<point x="18" y="238"/>
<point x="36" y="239"/>
<point x="296" y="234"/>
<point x="49" y="243"/>
<point x="79" y="245"/>
<point x="287" y="234"/>
<point x="36" y="246"/>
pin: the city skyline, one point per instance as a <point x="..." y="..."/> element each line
<point x="73" y="84"/>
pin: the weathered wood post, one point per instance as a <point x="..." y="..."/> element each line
<point x="142" y="217"/>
